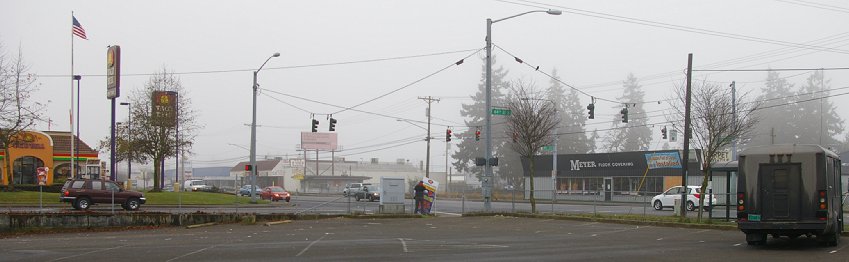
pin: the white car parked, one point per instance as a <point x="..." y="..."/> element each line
<point x="667" y="199"/>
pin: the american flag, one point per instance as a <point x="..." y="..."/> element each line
<point x="78" y="29"/>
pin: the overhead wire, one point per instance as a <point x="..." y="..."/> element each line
<point x="408" y="85"/>
<point x="676" y="27"/>
<point x="279" y="67"/>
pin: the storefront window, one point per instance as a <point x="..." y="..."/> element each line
<point x="24" y="170"/>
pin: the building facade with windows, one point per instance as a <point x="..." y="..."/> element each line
<point x="50" y="149"/>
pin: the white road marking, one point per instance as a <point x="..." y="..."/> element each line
<point x="310" y="245"/>
<point x="659" y="239"/>
<point x="404" y="245"/>
<point x="86" y="253"/>
<point x="451" y="214"/>
<point x="738" y="244"/>
<point x="190" y="253"/>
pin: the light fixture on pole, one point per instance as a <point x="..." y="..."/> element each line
<point x="129" y="140"/>
<point x="253" y="131"/>
<point x="76" y="150"/>
<point x="487" y="185"/>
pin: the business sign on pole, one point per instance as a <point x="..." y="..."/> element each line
<point x="113" y="72"/>
<point x="318" y="141"/>
<point x="164" y="108"/>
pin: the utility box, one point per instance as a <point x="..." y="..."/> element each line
<point x="392" y="192"/>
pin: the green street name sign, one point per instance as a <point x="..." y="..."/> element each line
<point x="548" y="148"/>
<point x="501" y="112"/>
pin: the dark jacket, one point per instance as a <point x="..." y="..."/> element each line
<point x="419" y="190"/>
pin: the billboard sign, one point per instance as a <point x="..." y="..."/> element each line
<point x="164" y="108"/>
<point x="318" y="141"/>
<point x="663" y="160"/>
<point x="113" y="72"/>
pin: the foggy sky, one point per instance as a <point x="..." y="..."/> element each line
<point x="591" y="51"/>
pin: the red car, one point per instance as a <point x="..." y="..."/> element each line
<point x="275" y="193"/>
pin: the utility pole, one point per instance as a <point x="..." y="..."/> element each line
<point x="734" y="115"/>
<point x="429" y="100"/>
<point x="447" y="175"/>
<point x="687" y="127"/>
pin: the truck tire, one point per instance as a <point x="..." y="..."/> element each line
<point x="358" y="198"/>
<point x="691" y="206"/>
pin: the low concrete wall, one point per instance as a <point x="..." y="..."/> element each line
<point x="11" y="222"/>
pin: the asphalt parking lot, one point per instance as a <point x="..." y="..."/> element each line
<point x="495" y="238"/>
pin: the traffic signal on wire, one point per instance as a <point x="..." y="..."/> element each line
<point x="478" y="135"/>
<point x="663" y="132"/>
<point x="332" y="124"/>
<point x="624" y="113"/>
<point x="314" y="125"/>
<point x="447" y="135"/>
<point x="591" y="109"/>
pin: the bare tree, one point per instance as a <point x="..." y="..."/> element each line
<point x="151" y="143"/>
<point x="713" y="123"/>
<point x="531" y="126"/>
<point x="18" y="109"/>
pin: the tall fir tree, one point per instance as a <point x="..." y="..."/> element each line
<point x="572" y="136"/>
<point x="815" y="121"/>
<point x="468" y="147"/>
<point x="775" y="95"/>
<point x="634" y="135"/>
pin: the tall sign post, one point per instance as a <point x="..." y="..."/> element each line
<point x="113" y="90"/>
<point x="164" y="113"/>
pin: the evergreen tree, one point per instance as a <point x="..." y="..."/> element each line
<point x="475" y="113"/>
<point x="814" y="121"/>
<point x="775" y="98"/>
<point x="634" y="135"/>
<point x="572" y="138"/>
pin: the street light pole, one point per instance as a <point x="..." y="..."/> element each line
<point x="253" y="131"/>
<point x="74" y="170"/>
<point x="487" y="183"/>
<point x="129" y="140"/>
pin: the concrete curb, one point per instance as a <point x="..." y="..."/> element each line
<point x="201" y="225"/>
<point x="277" y="222"/>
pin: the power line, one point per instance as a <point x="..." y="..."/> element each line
<point x="678" y="27"/>
<point x="280" y="67"/>
<point x="816" y="5"/>
<point x="767" y="70"/>
<point x="410" y="84"/>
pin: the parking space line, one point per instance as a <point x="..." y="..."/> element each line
<point x="86" y="253"/>
<point x="191" y="253"/>
<point x="310" y="245"/>
<point x="404" y="245"/>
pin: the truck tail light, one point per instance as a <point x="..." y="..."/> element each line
<point x="741" y="207"/>
<point x="822" y="212"/>
<point x="697" y="195"/>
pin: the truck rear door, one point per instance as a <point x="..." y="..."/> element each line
<point x="780" y="191"/>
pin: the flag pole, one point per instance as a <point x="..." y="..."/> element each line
<point x="71" y="127"/>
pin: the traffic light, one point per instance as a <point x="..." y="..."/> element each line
<point x="332" y="124"/>
<point x="314" y="125"/>
<point x="447" y="135"/>
<point x="663" y="132"/>
<point x="478" y="135"/>
<point x="624" y="113"/>
<point x="247" y="167"/>
<point x="591" y="108"/>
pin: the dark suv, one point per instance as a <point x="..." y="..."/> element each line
<point x="82" y="193"/>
